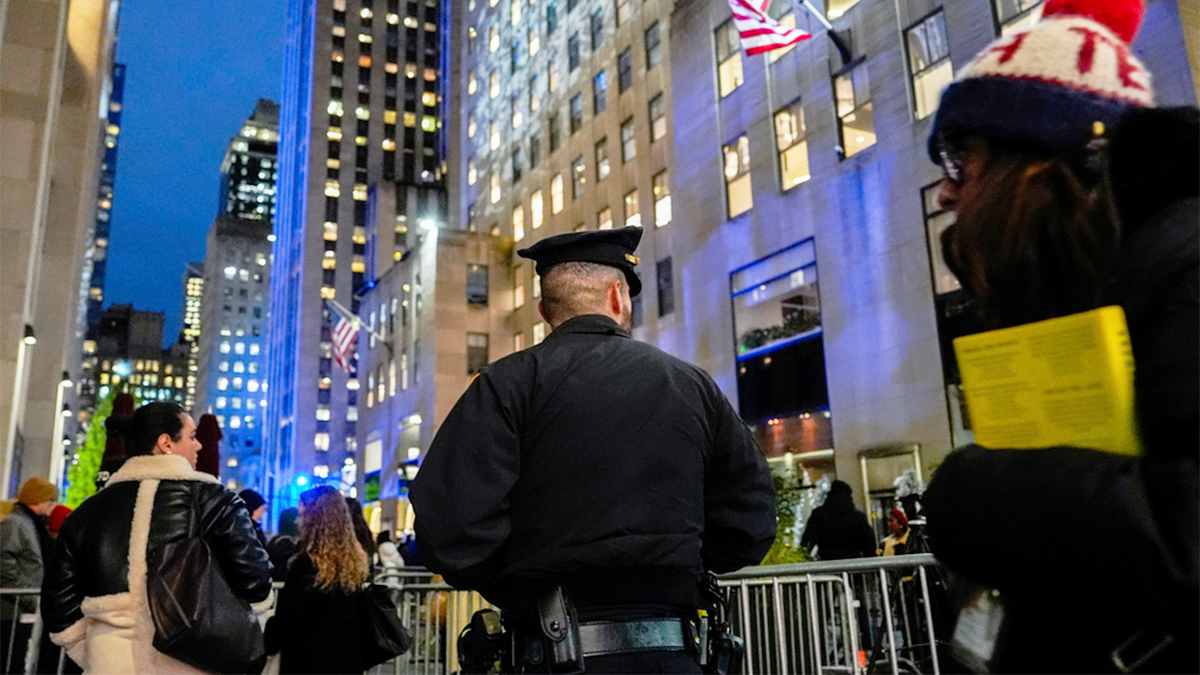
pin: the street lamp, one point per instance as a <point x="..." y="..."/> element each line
<point x="30" y="338"/>
<point x="60" y="403"/>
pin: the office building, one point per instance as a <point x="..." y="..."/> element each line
<point x="98" y="253"/>
<point x="362" y="109"/>
<point x="248" y="171"/>
<point x="57" y="64"/>
<point x="193" y="293"/>
<point x="230" y="381"/>
<point x="130" y="357"/>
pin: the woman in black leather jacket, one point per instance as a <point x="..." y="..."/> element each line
<point x="94" y="598"/>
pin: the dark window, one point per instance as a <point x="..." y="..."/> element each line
<point x="573" y="52"/>
<point x="576" y="113"/>
<point x="600" y="92"/>
<point x="554" y="131"/>
<point x="571" y="4"/>
<point x="597" y="28"/>
<point x="666" y="287"/>
<point x="535" y="150"/>
<point x="658" y="118"/>
<point x="477" y="285"/>
<point x="653" y="46"/>
<point x="551" y="17"/>
<point x="625" y="70"/>
<point x="477" y="352"/>
<point x="516" y="165"/>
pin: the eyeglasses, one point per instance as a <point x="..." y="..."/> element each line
<point x="950" y="159"/>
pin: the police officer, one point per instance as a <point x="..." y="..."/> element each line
<point x="597" y="464"/>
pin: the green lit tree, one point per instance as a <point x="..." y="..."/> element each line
<point x="792" y="504"/>
<point x="86" y="465"/>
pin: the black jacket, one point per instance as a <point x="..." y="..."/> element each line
<point x="839" y="530"/>
<point x="1089" y="547"/>
<point x="594" y="460"/>
<point x="93" y="545"/>
<point x="316" y="631"/>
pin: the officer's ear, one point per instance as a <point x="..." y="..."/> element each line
<point x="613" y="298"/>
<point x="542" y="311"/>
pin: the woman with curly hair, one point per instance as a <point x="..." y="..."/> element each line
<point x="319" y="623"/>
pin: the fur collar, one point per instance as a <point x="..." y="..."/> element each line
<point x="159" y="467"/>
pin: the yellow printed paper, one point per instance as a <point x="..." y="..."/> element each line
<point x="1064" y="381"/>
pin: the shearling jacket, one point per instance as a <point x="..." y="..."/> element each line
<point x="94" y="595"/>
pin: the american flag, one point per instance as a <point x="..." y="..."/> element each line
<point x="345" y="337"/>
<point x="759" y="32"/>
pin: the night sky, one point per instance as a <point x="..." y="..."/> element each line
<point x="195" y="71"/>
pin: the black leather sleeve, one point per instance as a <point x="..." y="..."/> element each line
<point x="62" y="587"/>
<point x="229" y="532"/>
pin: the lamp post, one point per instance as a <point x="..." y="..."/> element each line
<point x="57" y="453"/>
<point x="28" y="339"/>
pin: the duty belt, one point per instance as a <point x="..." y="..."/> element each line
<point x="601" y="638"/>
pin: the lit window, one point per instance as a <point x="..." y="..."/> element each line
<point x="334" y="134"/>
<point x="535" y="42"/>
<point x="515" y="112"/>
<point x="360" y="192"/>
<point x="493" y="85"/>
<point x="792" y="146"/>
<point x="472" y="84"/>
<point x="222" y="383"/>
<point x="604" y="219"/>
<point x="602" y="167"/>
<point x="410" y="72"/>
<point x="429" y="99"/>
<point x="516" y="13"/>
<point x="494" y="136"/>
<point x="658" y="118"/>
<point x="518" y="222"/>
<point x="519" y="287"/>
<point x="628" y="141"/>
<point x="653" y="46"/>
<point x="662" y="199"/>
<point x="328" y="293"/>
<point x="471" y="125"/>
<point x="633" y="215"/>
<point x="536" y="214"/>
<point x="729" y="59"/>
<point x="364" y="61"/>
<point x="495" y="188"/>
<point x="788" y="20"/>
<point x="737" y="176"/>
<point x="856" y="120"/>
<point x="600" y="92"/>
<point x="493" y="39"/>
<point x="336" y="108"/>
<point x="429" y="123"/>
<point x="410" y="119"/>
<point x="518" y="341"/>
<point x="539" y="332"/>
<point x="928" y="63"/>
<point x="389" y="145"/>
<point x="556" y="194"/>
<point x="472" y="173"/>
<point x="362" y="113"/>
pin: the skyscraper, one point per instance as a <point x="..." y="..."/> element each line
<point x="193" y="293"/>
<point x="249" y="169"/>
<point x="361" y="109"/>
<point x="104" y="197"/>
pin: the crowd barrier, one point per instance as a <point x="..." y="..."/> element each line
<point x="852" y="617"/>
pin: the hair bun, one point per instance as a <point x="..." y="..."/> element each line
<point x="117" y="424"/>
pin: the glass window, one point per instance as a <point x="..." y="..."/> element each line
<point x="738" y="191"/>
<point x="604" y="219"/>
<point x="477" y="352"/>
<point x="516" y="165"/>
<point x="493" y="84"/>
<point x="477" y="285"/>
<point x="472" y="172"/>
<point x="518" y="341"/>
<point x="515" y="112"/>
<point x="578" y="177"/>
<point x="518" y="222"/>
<point x="493" y="39"/>
<point x="552" y="75"/>
<point x="554" y="131"/>
<point x="653" y="46"/>
<point x="602" y="168"/>
<point x="519" y="287"/>
<point x="551" y="17"/>
<point x="536" y="213"/>
<point x="495" y="188"/>
<point x="597" y="28"/>
<point x="624" y="70"/>
<point x="539" y="332"/>
<point x="729" y="59"/>
<point x="928" y="62"/>
<point x="535" y="98"/>
<point x="623" y="11"/>
<point x="535" y="150"/>
<point x="573" y="52"/>
<point x="1013" y="16"/>
<point x="658" y="118"/>
<point x="628" y="141"/>
<point x="792" y="146"/>
<point x="788" y="20"/>
<point x="662" y="199"/>
<point x="576" y="113"/>
<point x="600" y="92"/>
<point x="633" y="216"/>
<point x="556" y="194"/>
<point x="856" y="121"/>
<point x="836" y="8"/>
<point x="666" y="287"/>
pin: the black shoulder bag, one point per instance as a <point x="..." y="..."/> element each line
<point x="384" y="637"/>
<point x="198" y="619"/>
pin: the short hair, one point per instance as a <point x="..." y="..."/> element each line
<point x="573" y="288"/>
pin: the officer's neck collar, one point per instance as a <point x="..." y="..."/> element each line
<point x="590" y="323"/>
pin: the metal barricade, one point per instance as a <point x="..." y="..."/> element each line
<point x="843" y="616"/>
<point x="434" y="614"/>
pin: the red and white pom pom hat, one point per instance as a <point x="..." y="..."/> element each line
<point x="1049" y="85"/>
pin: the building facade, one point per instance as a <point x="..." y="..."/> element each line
<point x="230" y="349"/>
<point x="129" y="357"/>
<point x="58" y="59"/>
<point x="806" y="160"/>
<point x="98" y="253"/>
<point x="249" y="170"/>
<point x="361" y="109"/>
<point x="193" y="294"/>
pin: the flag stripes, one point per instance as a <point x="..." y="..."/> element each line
<point x="758" y="31"/>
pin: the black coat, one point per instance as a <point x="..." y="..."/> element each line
<point x="1089" y="547"/>
<point x="594" y="460"/>
<point x="93" y="546"/>
<point x="839" y="530"/>
<point x="316" y="631"/>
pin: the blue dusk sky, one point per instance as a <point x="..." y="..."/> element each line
<point x="194" y="73"/>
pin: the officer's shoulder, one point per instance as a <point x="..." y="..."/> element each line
<point x="674" y="363"/>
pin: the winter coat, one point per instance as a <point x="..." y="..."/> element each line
<point x="23" y="543"/>
<point x="316" y="631"/>
<point x="1087" y="547"/>
<point x="838" y="530"/>
<point x="94" y="597"/>
<point x="598" y="462"/>
<point x="389" y="555"/>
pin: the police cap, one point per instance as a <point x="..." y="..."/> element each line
<point x="604" y="247"/>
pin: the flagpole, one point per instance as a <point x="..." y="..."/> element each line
<point x="356" y="319"/>
<point x="842" y="47"/>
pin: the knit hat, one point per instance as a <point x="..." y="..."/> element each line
<point x="57" y="516"/>
<point x="37" y="490"/>
<point x="253" y="499"/>
<point x="1048" y="86"/>
<point x="898" y="514"/>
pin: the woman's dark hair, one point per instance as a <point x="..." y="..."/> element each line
<point x="1038" y="240"/>
<point x="142" y="429"/>
<point x="362" y="531"/>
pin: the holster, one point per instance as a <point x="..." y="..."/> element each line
<point x="560" y="627"/>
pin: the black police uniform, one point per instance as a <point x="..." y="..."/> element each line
<point x="599" y="463"/>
